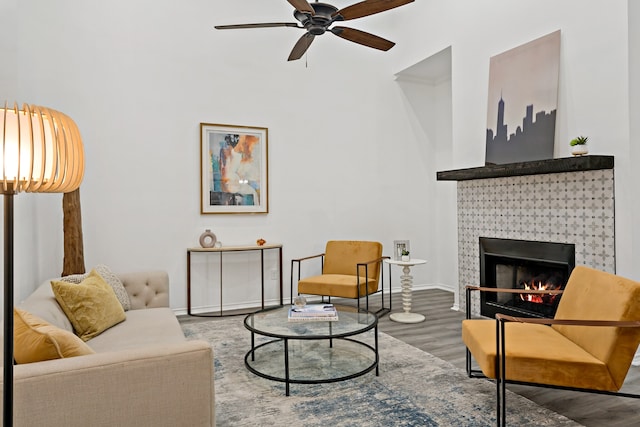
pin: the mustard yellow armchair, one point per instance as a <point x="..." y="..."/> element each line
<point x="350" y="269"/>
<point x="588" y="345"/>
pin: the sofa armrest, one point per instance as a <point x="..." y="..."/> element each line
<point x="147" y="289"/>
<point x="155" y="386"/>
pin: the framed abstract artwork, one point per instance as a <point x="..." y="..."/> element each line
<point x="233" y="169"/>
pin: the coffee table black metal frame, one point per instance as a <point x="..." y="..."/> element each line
<point x="351" y="322"/>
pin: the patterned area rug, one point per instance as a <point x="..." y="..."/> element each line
<point x="414" y="388"/>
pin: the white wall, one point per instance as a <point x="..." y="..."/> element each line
<point x="139" y="77"/>
<point x="345" y="158"/>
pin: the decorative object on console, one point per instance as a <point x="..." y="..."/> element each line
<point x="233" y="169"/>
<point x="316" y="18"/>
<point x="522" y="102"/>
<point x="405" y="255"/>
<point x="261" y="242"/>
<point x="41" y="153"/>
<point x="208" y="239"/>
<point x="579" y="146"/>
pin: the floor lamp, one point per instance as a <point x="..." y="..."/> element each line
<point x="40" y="152"/>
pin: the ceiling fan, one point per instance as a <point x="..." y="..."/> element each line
<point x="316" y="18"/>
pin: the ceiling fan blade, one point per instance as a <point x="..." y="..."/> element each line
<point x="302" y="6"/>
<point x="363" y="38"/>
<point x="369" y="7"/>
<point x="263" y="25"/>
<point x="301" y="46"/>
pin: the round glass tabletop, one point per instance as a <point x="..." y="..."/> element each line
<point x="274" y="322"/>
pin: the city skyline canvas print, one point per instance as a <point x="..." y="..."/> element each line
<point x="522" y="102"/>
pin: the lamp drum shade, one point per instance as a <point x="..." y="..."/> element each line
<point x="40" y="151"/>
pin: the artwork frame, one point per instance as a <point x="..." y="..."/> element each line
<point x="398" y="247"/>
<point x="233" y="169"/>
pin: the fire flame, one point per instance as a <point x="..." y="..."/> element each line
<point x="539" y="285"/>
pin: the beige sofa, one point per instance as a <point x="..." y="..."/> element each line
<point x="144" y="372"/>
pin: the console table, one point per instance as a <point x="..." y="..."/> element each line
<point x="226" y="249"/>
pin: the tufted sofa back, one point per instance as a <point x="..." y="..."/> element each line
<point x="148" y="289"/>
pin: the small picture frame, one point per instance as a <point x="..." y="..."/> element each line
<point x="398" y="247"/>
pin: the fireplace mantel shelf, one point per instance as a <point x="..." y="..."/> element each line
<point x="566" y="164"/>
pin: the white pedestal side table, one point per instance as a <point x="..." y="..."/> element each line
<point x="407" y="281"/>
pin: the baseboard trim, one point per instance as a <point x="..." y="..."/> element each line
<point x="245" y="306"/>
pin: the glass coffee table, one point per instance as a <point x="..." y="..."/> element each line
<point x="312" y="352"/>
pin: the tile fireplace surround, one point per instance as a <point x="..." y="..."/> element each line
<point x="569" y="200"/>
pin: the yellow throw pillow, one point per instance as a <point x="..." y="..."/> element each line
<point x="36" y="340"/>
<point x="91" y="306"/>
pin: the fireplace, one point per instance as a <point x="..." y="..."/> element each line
<point x="523" y="264"/>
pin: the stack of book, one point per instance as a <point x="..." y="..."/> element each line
<point x="313" y="312"/>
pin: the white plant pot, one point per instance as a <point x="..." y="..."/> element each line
<point x="406" y="258"/>
<point x="579" y="150"/>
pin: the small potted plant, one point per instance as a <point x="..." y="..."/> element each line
<point x="405" y="255"/>
<point x="579" y="146"/>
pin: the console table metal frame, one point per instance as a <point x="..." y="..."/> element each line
<point x="222" y="250"/>
<point x="329" y="336"/>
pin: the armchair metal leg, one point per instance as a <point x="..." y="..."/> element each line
<point x="501" y="376"/>
<point x="291" y="284"/>
<point x="384" y="309"/>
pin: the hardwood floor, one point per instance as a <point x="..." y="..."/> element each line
<point x="440" y="335"/>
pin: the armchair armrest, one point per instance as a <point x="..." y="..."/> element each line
<point x="380" y="259"/>
<point x="366" y="264"/>
<point x="307" y="257"/>
<point x="571" y="322"/>
<point x="513" y="291"/>
<point x="470" y="288"/>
